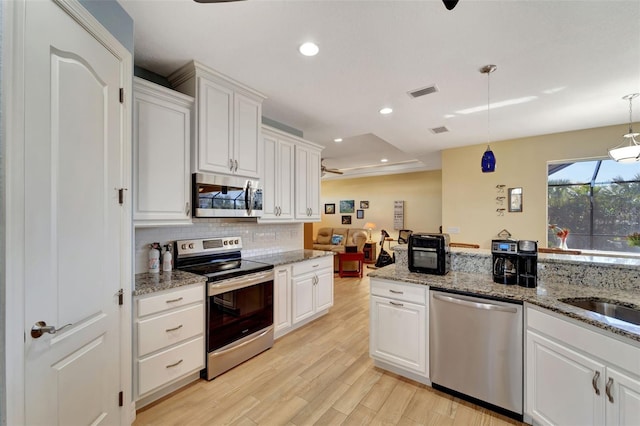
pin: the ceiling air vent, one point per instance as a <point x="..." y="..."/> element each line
<point x="437" y="130"/>
<point x="424" y="91"/>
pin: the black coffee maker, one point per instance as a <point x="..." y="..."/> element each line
<point x="527" y="263"/>
<point x="505" y="261"/>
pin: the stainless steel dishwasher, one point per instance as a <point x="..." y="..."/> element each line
<point x="476" y="349"/>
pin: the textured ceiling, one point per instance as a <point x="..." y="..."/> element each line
<point x="568" y="63"/>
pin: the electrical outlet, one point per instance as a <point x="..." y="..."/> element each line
<point x="453" y="230"/>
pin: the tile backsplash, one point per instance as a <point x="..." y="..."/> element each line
<point x="257" y="239"/>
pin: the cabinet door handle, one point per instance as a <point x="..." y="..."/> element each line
<point x="396" y="304"/>
<point x="396" y="291"/>
<point x="174" y="364"/>
<point x="607" y="389"/>
<point x="230" y="164"/>
<point x="174" y="328"/>
<point x="235" y="167"/>
<point x="594" y="382"/>
<point x="175" y="300"/>
<point x="187" y="208"/>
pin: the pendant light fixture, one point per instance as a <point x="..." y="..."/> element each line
<point x="629" y="151"/>
<point x="488" y="161"/>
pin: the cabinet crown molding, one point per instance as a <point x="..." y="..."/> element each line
<point x="197" y="69"/>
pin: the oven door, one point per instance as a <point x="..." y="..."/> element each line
<point x="226" y="196"/>
<point x="238" y="307"/>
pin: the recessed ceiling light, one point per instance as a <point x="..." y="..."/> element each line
<point x="384" y="160"/>
<point x="386" y="110"/>
<point x="337" y="140"/>
<point x="309" y="49"/>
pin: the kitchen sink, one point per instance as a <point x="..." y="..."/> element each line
<point x="609" y="308"/>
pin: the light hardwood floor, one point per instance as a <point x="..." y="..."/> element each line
<point x="319" y="374"/>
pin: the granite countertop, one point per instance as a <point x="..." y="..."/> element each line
<point x="286" y="257"/>
<point x="545" y="295"/>
<point x="147" y="283"/>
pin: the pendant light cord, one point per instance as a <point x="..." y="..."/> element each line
<point x="488" y="107"/>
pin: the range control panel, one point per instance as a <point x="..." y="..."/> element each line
<point x="208" y="245"/>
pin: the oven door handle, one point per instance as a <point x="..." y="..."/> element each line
<point x="239" y="282"/>
<point x="475" y="305"/>
<point x="245" y="343"/>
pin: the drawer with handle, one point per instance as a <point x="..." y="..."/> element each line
<point x="169" y="300"/>
<point x="162" y="368"/>
<point x="312" y="265"/>
<point x="170" y="328"/>
<point x="393" y="290"/>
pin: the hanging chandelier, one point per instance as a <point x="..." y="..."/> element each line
<point x="488" y="162"/>
<point x="629" y="150"/>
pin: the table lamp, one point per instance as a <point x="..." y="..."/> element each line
<point x="369" y="226"/>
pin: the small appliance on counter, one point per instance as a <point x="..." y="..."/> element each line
<point x="429" y="253"/>
<point x="527" y="263"/>
<point x="505" y="261"/>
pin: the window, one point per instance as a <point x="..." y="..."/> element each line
<point x="598" y="201"/>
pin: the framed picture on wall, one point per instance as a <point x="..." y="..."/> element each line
<point x="515" y="200"/>
<point x="346" y="220"/>
<point x="330" y="208"/>
<point x="360" y="214"/>
<point x="347" y="206"/>
<point x="364" y="204"/>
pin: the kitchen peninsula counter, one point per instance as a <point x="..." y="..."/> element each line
<point x="546" y="294"/>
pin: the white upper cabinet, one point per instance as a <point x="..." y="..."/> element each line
<point x="278" y="175"/>
<point x="161" y="146"/>
<point x="227" y="135"/>
<point x="307" y="182"/>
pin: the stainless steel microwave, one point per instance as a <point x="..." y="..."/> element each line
<point x="225" y="196"/>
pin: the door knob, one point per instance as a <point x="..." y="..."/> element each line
<point x="41" y="327"/>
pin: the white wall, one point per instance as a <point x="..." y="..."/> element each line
<point x="257" y="239"/>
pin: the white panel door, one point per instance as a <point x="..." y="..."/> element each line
<point x="302" y="183"/>
<point x="247" y="140"/>
<point x="563" y="387"/>
<point x="324" y="289"/>
<point x="313" y="185"/>
<point x="286" y="168"/>
<point x="72" y="222"/>
<point x="215" y="131"/>
<point x="623" y="399"/>
<point x="406" y="349"/>
<point x="303" y="295"/>
<point x="282" y="300"/>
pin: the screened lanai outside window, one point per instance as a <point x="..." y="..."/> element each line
<point x="598" y="201"/>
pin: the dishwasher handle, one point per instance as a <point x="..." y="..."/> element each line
<point x="475" y="305"/>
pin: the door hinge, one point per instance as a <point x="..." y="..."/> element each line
<point x="121" y="195"/>
<point x="121" y="95"/>
<point x="121" y="399"/>
<point x="120" y="295"/>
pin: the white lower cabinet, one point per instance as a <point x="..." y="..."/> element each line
<point x="169" y="341"/>
<point x="312" y="288"/>
<point x="577" y="376"/>
<point x="398" y="335"/>
<point x="282" y="300"/>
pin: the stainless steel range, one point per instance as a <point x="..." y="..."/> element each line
<point x="239" y="321"/>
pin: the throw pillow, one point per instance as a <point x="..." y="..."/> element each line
<point x="336" y="239"/>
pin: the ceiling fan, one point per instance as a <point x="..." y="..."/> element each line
<point x="324" y="169"/>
